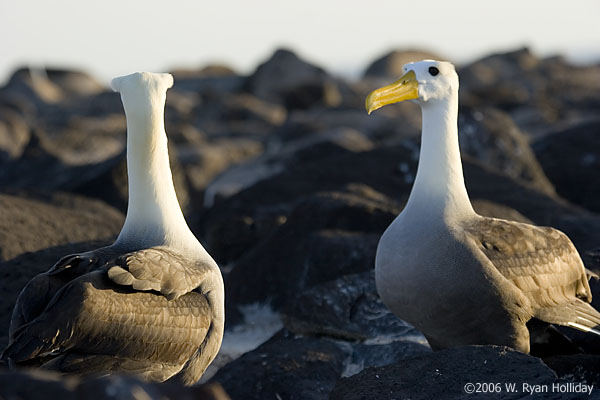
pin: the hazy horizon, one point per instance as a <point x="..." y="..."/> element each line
<point x="115" y="38"/>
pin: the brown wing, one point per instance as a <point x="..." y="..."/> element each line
<point x="160" y="269"/>
<point x="147" y="333"/>
<point x="541" y="261"/>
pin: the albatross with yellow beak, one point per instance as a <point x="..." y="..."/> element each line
<point x="461" y="278"/>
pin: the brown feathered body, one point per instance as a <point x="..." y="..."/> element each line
<point x="146" y="312"/>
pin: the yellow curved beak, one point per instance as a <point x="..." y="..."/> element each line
<point x="405" y="88"/>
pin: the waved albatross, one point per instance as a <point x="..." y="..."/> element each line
<point x="152" y="303"/>
<point x="458" y="277"/>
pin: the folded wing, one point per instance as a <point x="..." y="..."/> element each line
<point x="121" y="321"/>
<point x="544" y="265"/>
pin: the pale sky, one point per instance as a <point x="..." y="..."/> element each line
<point x="116" y="37"/>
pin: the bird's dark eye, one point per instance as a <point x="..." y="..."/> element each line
<point x="433" y="71"/>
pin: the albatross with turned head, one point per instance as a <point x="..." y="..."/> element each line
<point x="152" y="303"/>
<point x="458" y="277"/>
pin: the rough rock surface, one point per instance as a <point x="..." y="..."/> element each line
<point x="287" y="79"/>
<point x="541" y="95"/>
<point x="34" y="384"/>
<point x="390" y="65"/>
<point x="490" y="136"/>
<point x="325" y="236"/>
<point x="285" y="367"/>
<point x="14" y="134"/>
<point x="446" y="375"/>
<point x="576" y="367"/>
<point x="105" y="180"/>
<point x="37" y="222"/>
<point x="347" y="308"/>
<point x="571" y="159"/>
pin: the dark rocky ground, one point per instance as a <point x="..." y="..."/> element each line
<point x="289" y="184"/>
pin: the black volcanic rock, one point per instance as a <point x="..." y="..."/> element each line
<point x="212" y="78"/>
<point x="106" y="181"/>
<point x="325" y="236"/>
<point x="285" y="367"/>
<point x="14" y="134"/>
<point x="40" y="170"/>
<point x="445" y="375"/>
<point x="31" y="86"/>
<point x="79" y="140"/>
<point x="74" y="83"/>
<point x="576" y="367"/>
<point x="491" y="136"/>
<point x="287" y="79"/>
<point x="42" y="94"/>
<point x="37" y="222"/>
<point x="571" y="159"/>
<point x="490" y="209"/>
<point x="231" y="115"/>
<point x="285" y="265"/>
<point x="205" y="162"/>
<point x="401" y="123"/>
<point x="290" y="366"/>
<point x="348" y="308"/>
<point x="206" y="71"/>
<point x="591" y="258"/>
<point x="35" y="384"/>
<point x="102" y="104"/>
<point x="378" y="353"/>
<point x="501" y="79"/>
<point x="389" y="66"/>
<point x="284" y="69"/>
<point x="292" y="145"/>
<point x="541" y="95"/>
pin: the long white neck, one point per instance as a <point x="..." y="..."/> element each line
<point x="439" y="189"/>
<point x="153" y="213"/>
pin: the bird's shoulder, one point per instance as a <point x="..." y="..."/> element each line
<point x="513" y="237"/>
<point x="81" y="263"/>
<point x="161" y="269"/>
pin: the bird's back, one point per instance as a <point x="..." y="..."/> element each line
<point x="84" y="322"/>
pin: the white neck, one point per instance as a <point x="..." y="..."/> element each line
<point x="154" y="217"/>
<point x="439" y="188"/>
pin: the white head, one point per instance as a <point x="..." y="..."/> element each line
<point x="423" y="81"/>
<point x="142" y="92"/>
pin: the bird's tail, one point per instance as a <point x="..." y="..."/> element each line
<point x="22" y="349"/>
<point x="578" y="314"/>
<point x="27" y="345"/>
